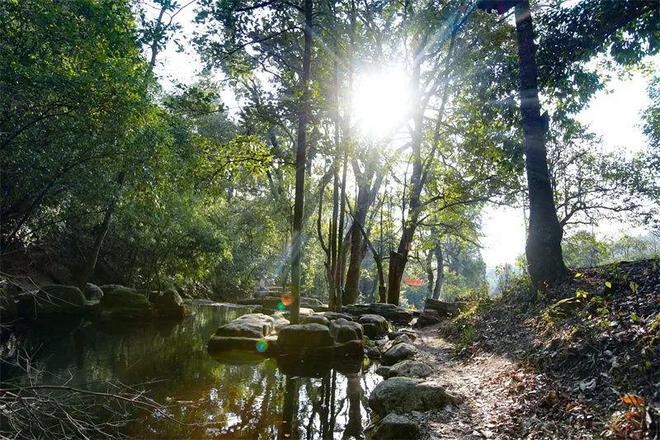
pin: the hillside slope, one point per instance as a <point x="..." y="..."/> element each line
<point x="580" y="362"/>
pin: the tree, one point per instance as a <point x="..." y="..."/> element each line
<point x="543" y="248"/>
<point x="72" y="87"/>
<point x="590" y="184"/>
<point x="301" y="164"/>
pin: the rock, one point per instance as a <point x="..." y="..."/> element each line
<point x="398" y="353"/>
<point x="92" y="292"/>
<point x="403" y="395"/>
<point x="119" y="302"/>
<point x="350" y="349"/>
<point x="50" y="300"/>
<point x="383" y="371"/>
<point x="168" y="304"/>
<point x="428" y="317"/>
<point x="373" y="352"/>
<point x="395" y="427"/>
<point x="402" y="339"/>
<point x="279" y="323"/>
<point x="375" y="326"/>
<point x="252" y="325"/>
<point x="443" y="308"/>
<point x="303" y="312"/>
<point x="395" y="314"/>
<point x="115" y="295"/>
<point x="315" y="319"/>
<point x="335" y="315"/>
<point x="409" y="368"/>
<point x="272" y="302"/>
<point x="393" y="335"/>
<point x="225" y="343"/>
<point x="344" y="331"/>
<point x="300" y="337"/>
<point x="8" y="308"/>
<point x="565" y="307"/>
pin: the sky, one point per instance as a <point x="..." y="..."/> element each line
<point x="614" y="114"/>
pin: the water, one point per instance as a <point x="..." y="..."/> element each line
<point x="206" y="397"/>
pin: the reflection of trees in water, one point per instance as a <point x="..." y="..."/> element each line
<point x="290" y="409"/>
<point x="333" y="404"/>
<point x="211" y="398"/>
<point x="354" y="395"/>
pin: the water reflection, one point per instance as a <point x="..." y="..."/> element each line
<point x="208" y="397"/>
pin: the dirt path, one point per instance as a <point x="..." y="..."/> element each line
<point x="501" y="399"/>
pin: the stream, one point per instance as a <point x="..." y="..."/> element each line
<point x="206" y="397"/>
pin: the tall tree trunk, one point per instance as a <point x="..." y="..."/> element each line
<point x="366" y="196"/>
<point x="301" y="161"/>
<point x="439" y="279"/>
<point x="351" y="289"/>
<point x="334" y="223"/>
<point x="544" y="256"/>
<point x="341" y="248"/>
<point x="399" y="259"/>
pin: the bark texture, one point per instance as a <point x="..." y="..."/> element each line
<point x="544" y="256"/>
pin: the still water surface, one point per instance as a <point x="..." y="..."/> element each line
<point x="207" y="397"/>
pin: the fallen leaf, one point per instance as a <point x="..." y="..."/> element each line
<point x="632" y="399"/>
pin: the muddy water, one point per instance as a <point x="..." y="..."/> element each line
<point x="206" y="397"/>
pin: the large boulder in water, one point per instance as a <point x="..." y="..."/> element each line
<point x="119" y="302"/>
<point x="168" y="304"/>
<point x="315" y="319"/>
<point x="404" y="395"/>
<point x="92" y="292"/>
<point x="394" y="427"/>
<point x="395" y="314"/>
<point x="336" y="315"/>
<point x="344" y="330"/>
<point x="302" y="337"/>
<point x="229" y="343"/>
<point x="375" y="326"/>
<point x="252" y="325"/>
<point x="51" y="300"/>
<point x="398" y="353"/>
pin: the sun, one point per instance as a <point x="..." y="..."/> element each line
<point x="381" y="102"/>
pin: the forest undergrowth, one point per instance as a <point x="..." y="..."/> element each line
<point x="579" y="362"/>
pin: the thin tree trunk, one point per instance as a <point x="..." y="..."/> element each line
<point x="544" y="256"/>
<point x="334" y="223"/>
<point x="301" y="162"/>
<point x="430" y="276"/>
<point x="92" y="258"/>
<point x="440" y="278"/>
<point x="341" y="250"/>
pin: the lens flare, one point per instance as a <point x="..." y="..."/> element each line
<point x="287" y="299"/>
<point x="262" y="346"/>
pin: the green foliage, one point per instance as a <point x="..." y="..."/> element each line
<point x="584" y="249"/>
